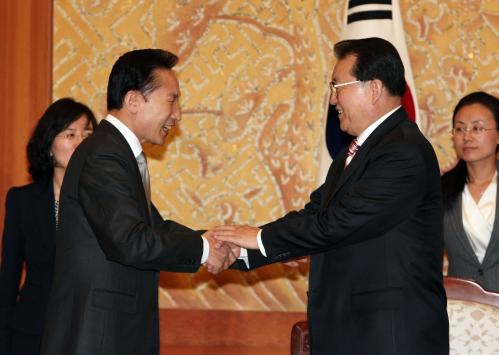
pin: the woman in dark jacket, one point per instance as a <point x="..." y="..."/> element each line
<point x="31" y="223"/>
<point x="471" y="223"/>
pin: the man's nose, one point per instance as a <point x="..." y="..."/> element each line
<point x="177" y="112"/>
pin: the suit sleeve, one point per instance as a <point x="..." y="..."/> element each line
<point x="10" y="272"/>
<point x="111" y="200"/>
<point x="386" y="193"/>
<point x="257" y="259"/>
<point x="171" y="226"/>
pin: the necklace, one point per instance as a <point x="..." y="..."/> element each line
<point x="56" y="212"/>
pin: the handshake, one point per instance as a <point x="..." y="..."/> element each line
<point x="226" y="243"/>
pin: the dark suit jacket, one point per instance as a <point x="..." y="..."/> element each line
<point x="374" y="231"/>
<point x="462" y="259"/>
<point x="29" y="236"/>
<point x="108" y="253"/>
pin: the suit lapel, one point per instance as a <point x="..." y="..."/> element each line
<point x="490" y="253"/>
<point x="44" y="214"/>
<point x="456" y="220"/>
<point x="334" y="174"/>
<point x="109" y="130"/>
<point x="342" y="175"/>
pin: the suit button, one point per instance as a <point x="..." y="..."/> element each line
<point x="480" y="272"/>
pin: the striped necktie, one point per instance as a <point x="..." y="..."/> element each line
<point x="352" y="149"/>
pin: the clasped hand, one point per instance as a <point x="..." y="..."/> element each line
<point x="222" y="255"/>
<point x="244" y="236"/>
<point x="225" y="245"/>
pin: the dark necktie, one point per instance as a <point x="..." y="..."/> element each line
<point x="144" y="173"/>
<point x="352" y="149"/>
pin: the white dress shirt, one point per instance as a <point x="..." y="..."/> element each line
<point x="478" y="218"/>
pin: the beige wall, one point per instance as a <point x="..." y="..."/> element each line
<point x="254" y="94"/>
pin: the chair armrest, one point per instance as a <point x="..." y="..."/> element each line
<point x="299" y="339"/>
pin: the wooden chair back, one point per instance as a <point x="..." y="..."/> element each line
<point x="470" y="310"/>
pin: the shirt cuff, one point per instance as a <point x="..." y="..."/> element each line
<point x="206" y="250"/>
<point x="260" y="244"/>
<point x="243" y="255"/>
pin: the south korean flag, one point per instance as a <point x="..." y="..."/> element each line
<point x="374" y="18"/>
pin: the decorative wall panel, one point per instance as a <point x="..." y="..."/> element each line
<point x="254" y="79"/>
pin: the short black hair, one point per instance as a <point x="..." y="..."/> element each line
<point x="58" y="116"/>
<point x="376" y="59"/>
<point x="454" y="180"/>
<point x="134" y="70"/>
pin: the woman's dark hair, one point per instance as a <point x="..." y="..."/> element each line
<point x="454" y="180"/>
<point x="58" y="116"/>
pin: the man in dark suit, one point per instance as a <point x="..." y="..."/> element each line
<point x="112" y="241"/>
<point x="374" y="228"/>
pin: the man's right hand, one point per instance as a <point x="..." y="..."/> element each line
<point x="220" y="256"/>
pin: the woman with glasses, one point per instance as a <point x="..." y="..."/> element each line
<point x="471" y="223"/>
<point x="31" y="223"/>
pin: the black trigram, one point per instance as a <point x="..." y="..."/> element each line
<point x="368" y="14"/>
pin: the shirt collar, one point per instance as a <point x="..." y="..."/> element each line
<point x="361" y="138"/>
<point x="130" y="137"/>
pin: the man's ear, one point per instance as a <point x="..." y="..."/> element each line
<point x="376" y="88"/>
<point x="131" y="101"/>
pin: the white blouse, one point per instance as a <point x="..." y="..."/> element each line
<point x="478" y="218"/>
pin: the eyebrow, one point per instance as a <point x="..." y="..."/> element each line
<point x="87" y="128"/>
<point x="480" y="120"/>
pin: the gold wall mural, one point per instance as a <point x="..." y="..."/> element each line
<point x="254" y="79"/>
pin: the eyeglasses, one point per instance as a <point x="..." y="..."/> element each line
<point x="474" y="130"/>
<point x="71" y="136"/>
<point x="334" y="87"/>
